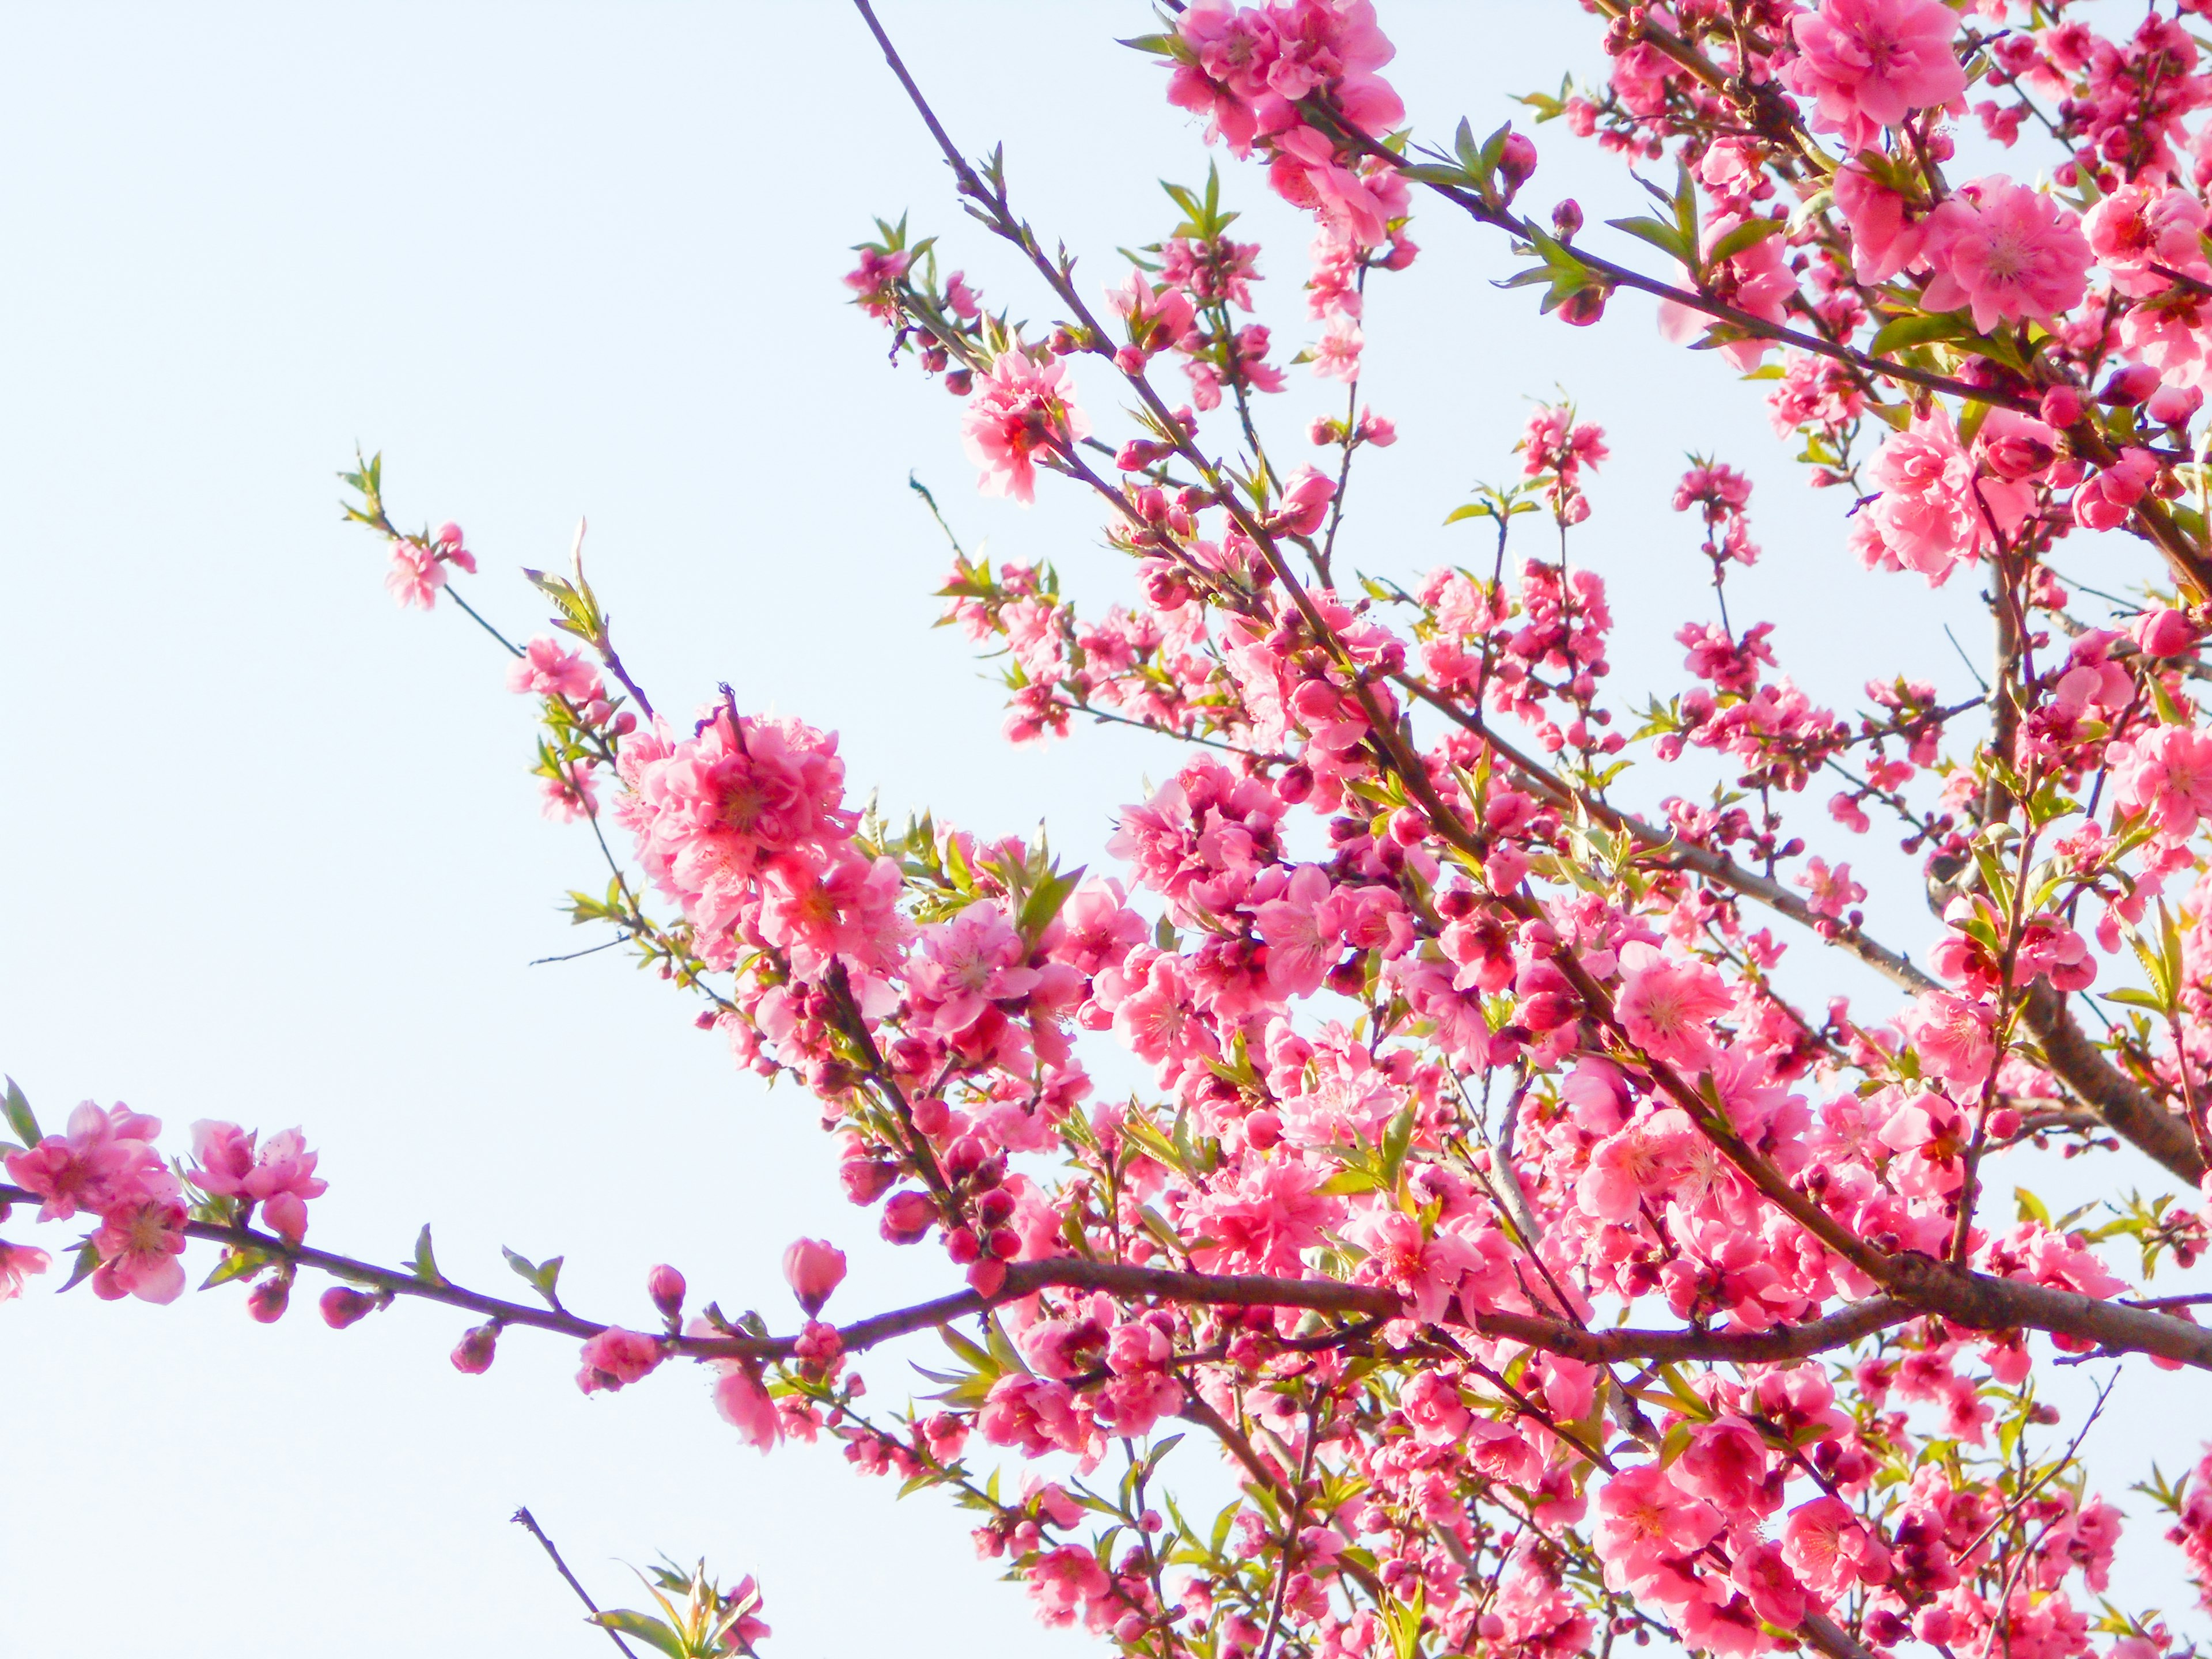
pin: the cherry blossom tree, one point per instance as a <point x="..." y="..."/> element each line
<point x="1548" y="1261"/>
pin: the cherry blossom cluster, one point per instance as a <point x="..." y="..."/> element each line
<point x="1527" y="1191"/>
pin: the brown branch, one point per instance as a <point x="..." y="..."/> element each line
<point x="2126" y="1109"/>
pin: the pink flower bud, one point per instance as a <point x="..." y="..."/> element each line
<point x="2175" y="405"/>
<point x="341" y="1307"/>
<point x="987" y="1278"/>
<point x="907" y="1217"/>
<point x="1582" y="307"/>
<point x="2164" y="632"/>
<point x="665" y="1286"/>
<point x="1517" y="162"/>
<point x="932" y="1116"/>
<point x="2062" y="406"/>
<point x="2129" y="386"/>
<point x="813" y="1270"/>
<point x="477" y="1349"/>
<point x="1567" y="219"/>
<point x="267" y="1301"/>
<point x="864" y="1183"/>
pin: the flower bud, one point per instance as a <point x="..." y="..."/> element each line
<point x="2164" y="632"/>
<point x="866" y="1181"/>
<point x="267" y="1301"/>
<point x="987" y="1278"/>
<point x="2175" y="405"/>
<point x="1567" y="219"/>
<point x="963" y="1246"/>
<point x="932" y="1116"/>
<point x="665" y="1286"/>
<point x="907" y="1217"/>
<point x="1582" y="307"/>
<point x="813" y="1270"/>
<point x="2129" y="386"/>
<point x="960" y="382"/>
<point x="2062" y="406"/>
<point x="477" y="1349"/>
<point x="964" y="1157"/>
<point x="342" y="1306"/>
<point x="2017" y="455"/>
<point x="1516" y="161"/>
<point x="995" y="1208"/>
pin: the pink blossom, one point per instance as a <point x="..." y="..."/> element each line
<point x="2007" y="251"/>
<point x="544" y="669"/>
<point x="1305" y="932"/>
<point x="1428" y="1269"/>
<point x="280" y="1175"/>
<point x="103" y="1160"/>
<point x="1936" y="513"/>
<point x="617" y="1358"/>
<point x="139" y="1242"/>
<point x="1021" y="404"/>
<point x="1951" y="1035"/>
<point x="1869" y="63"/>
<point x="416" y="576"/>
<point x="1833" y="890"/>
<point x="746" y="1406"/>
<point x="1829" y="1548"/>
<point x="2165" y="774"/>
<point x="1644" y="1519"/>
<point x="1667" y="1005"/>
<point x="813" y="1270"/>
<point x="17" y="1263"/>
<point x="1064" y="1581"/>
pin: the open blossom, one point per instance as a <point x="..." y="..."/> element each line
<point x="279" y="1174"/>
<point x="105" y="1158"/>
<point x="1869" y="64"/>
<point x="746" y="1406"/>
<point x="2165" y="774"/>
<point x="17" y="1263"/>
<point x="139" y="1242"/>
<point x="1937" y="510"/>
<point x="1829" y="1548"/>
<point x="615" y="1357"/>
<point x="1021" y="404"/>
<point x="1644" y="1519"/>
<point x="1667" y="1004"/>
<point x="546" y="669"/>
<point x="2007" y="251"/>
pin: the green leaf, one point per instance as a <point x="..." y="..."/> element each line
<point x="627" y="1623"/>
<point x="1472" y="510"/>
<point x="1044" y="903"/>
<point x="2031" y="1208"/>
<point x="87" y="1259"/>
<point x="1662" y="235"/>
<point x="20" y="1117"/>
<point x="1749" y="233"/>
<point x="541" y="1276"/>
<point x="426" y="1264"/>
<point x="1395" y="1140"/>
<point x="235" y="1264"/>
<point x="1916" y="328"/>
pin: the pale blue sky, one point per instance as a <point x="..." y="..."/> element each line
<point x="272" y="854"/>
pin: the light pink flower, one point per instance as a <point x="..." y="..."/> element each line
<point x="1645" y="1519"/>
<point x="1667" y="1005"/>
<point x="617" y="1358"/>
<point x="2006" y="250"/>
<point x="1936" y="513"/>
<point x="746" y="1406"/>
<point x="1828" y="1547"/>
<point x="1427" y="1269"/>
<point x="1869" y="63"/>
<point x="17" y="1263"/>
<point x="415" y="577"/>
<point x="1951" y="1035"/>
<point x="2166" y="774"/>
<point x="1021" y="404"/>
<point x="546" y="670"/>
<point x="105" y="1160"/>
<point x="280" y="1175"/>
<point x="139" y="1242"/>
